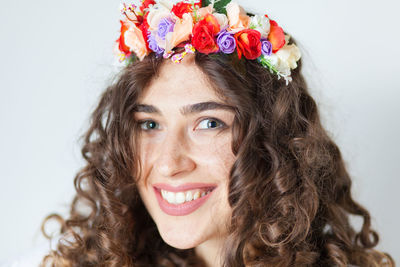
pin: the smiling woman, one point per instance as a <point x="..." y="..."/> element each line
<point x="212" y="158"/>
<point x="186" y="159"/>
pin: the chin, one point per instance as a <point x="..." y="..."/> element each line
<point x="181" y="240"/>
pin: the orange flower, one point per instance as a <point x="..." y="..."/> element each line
<point x="238" y="20"/>
<point x="121" y="40"/>
<point x="182" y="31"/>
<point x="202" y="12"/>
<point x="276" y="36"/>
<point x="248" y="43"/>
<point x="135" y="41"/>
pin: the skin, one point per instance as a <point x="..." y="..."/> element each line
<point x="191" y="148"/>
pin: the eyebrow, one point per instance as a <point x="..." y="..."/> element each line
<point x="188" y="109"/>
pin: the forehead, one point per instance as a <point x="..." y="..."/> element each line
<point x="182" y="83"/>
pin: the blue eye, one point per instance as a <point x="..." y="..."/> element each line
<point x="212" y="123"/>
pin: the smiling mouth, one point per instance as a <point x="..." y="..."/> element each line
<point x="177" y="198"/>
<point x="183" y="202"/>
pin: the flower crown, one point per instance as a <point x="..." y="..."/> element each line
<point x="207" y="26"/>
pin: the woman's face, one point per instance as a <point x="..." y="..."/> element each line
<point x="186" y="156"/>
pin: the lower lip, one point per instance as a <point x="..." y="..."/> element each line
<point x="180" y="209"/>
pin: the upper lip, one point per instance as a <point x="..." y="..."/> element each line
<point x="183" y="187"/>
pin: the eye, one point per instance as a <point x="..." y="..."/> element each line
<point x="212" y="123"/>
<point x="148" y="125"/>
<point x="205" y="124"/>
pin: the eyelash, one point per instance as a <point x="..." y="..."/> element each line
<point x="221" y="123"/>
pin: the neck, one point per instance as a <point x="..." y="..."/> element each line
<point x="211" y="252"/>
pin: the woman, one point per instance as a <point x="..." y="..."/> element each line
<point x="214" y="158"/>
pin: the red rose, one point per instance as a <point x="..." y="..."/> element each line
<point x="145" y="4"/>
<point x="276" y="36"/>
<point x="204" y="33"/>
<point x="121" y="40"/>
<point x="144" y="27"/>
<point x="181" y="8"/>
<point x="248" y="43"/>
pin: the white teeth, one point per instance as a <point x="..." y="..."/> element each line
<point x="189" y="196"/>
<point x="182" y="197"/>
<point x="171" y="197"/>
<point x="196" y="195"/>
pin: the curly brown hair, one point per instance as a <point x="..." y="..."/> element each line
<point x="289" y="190"/>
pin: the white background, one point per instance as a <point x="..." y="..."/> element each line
<point x="56" y="58"/>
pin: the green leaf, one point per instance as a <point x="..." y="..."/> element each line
<point x="131" y="59"/>
<point x="220" y="6"/>
<point x="267" y="64"/>
<point x="205" y="3"/>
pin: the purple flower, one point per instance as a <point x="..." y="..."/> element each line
<point x="165" y="26"/>
<point x="226" y="42"/>
<point x="153" y="44"/>
<point x="266" y="47"/>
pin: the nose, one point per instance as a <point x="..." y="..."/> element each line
<point x="173" y="158"/>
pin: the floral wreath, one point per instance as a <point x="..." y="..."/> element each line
<point x="219" y="26"/>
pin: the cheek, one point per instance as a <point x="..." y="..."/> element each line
<point x="146" y="152"/>
<point x="217" y="158"/>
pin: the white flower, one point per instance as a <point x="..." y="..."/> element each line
<point x="261" y="24"/>
<point x="279" y="65"/>
<point x="222" y="19"/>
<point x="284" y="60"/>
<point x="167" y="4"/>
<point x="289" y="55"/>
